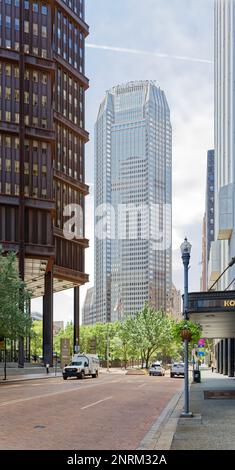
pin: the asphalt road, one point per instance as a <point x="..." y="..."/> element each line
<point x="112" y="412"/>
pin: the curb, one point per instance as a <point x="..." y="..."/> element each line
<point x="161" y="434"/>
<point x="25" y="379"/>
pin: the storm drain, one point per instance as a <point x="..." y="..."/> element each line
<point x="219" y="394"/>
<point x="39" y="426"/>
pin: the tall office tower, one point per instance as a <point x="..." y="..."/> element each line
<point x="88" y="307"/>
<point x="209" y="218"/>
<point x="133" y="158"/>
<point x="223" y="248"/>
<point x="42" y="137"/>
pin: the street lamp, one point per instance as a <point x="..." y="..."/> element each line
<point x="185" y="251"/>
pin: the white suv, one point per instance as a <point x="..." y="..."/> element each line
<point x="177" y="369"/>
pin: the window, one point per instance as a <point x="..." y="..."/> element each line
<point x="35" y="99"/>
<point x="44" y="79"/>
<point x="26" y="26"/>
<point x="17" y="118"/>
<point x="35" y="7"/>
<point x="26" y="48"/>
<point x="35" y="120"/>
<point x="26" y="5"/>
<point x="44" y="100"/>
<point x="26" y="97"/>
<point x="8" y="22"/>
<point x="8" y="44"/>
<point x="44" y="53"/>
<point x="8" y="116"/>
<point x="17" y="24"/>
<point x="35" y="76"/>
<point x="44" y="31"/>
<point x="7" y="93"/>
<point x="35" y="29"/>
<point x="44" y="9"/>
<point x="44" y="123"/>
<point x="17" y="94"/>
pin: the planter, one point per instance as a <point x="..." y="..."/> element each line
<point x="186" y="334"/>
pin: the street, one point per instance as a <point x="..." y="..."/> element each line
<point x="112" y="412"/>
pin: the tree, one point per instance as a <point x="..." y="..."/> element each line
<point x="36" y="338"/>
<point x="15" y="321"/>
<point x="151" y="330"/>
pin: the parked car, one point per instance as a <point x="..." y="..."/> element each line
<point x="156" y="369"/>
<point x="177" y="369"/>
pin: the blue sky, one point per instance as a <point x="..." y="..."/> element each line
<point x="175" y="28"/>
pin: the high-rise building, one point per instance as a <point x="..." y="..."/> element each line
<point x="176" y="304"/>
<point x="133" y="166"/>
<point x="223" y="248"/>
<point x="208" y="232"/>
<point x="42" y="138"/>
<point x="88" y="307"/>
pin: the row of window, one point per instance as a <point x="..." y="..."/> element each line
<point x="70" y="98"/>
<point x="69" y="155"/>
<point x="37" y="7"/>
<point x="69" y="42"/>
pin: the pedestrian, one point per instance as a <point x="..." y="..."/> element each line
<point x="212" y="367"/>
<point x="47" y="368"/>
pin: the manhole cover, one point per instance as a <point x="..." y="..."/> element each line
<point x="219" y="394"/>
<point x="39" y="426"/>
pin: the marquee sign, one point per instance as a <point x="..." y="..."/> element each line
<point x="211" y="301"/>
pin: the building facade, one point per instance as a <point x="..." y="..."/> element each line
<point x="208" y="229"/>
<point x="42" y="139"/>
<point x="223" y="247"/>
<point x="88" y="307"/>
<point x="133" y="164"/>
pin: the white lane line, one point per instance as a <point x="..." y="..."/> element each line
<point x="11" y="386"/>
<point x="142" y="385"/>
<point x="52" y="394"/>
<point x="95" y="403"/>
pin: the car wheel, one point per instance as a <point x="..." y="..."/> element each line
<point x="82" y="375"/>
<point x="65" y="378"/>
<point x="172" y="376"/>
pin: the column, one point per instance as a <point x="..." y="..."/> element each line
<point x="48" y="320"/>
<point x="217" y="357"/>
<point x="225" y="357"/>
<point x="76" y="320"/>
<point x="231" y="351"/>
<point x="221" y="357"/>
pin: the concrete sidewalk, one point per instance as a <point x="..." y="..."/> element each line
<point x="213" y="424"/>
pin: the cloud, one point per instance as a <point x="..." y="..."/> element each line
<point x="148" y="53"/>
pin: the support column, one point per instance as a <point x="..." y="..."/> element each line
<point x="221" y="357"/>
<point x="225" y="357"/>
<point x="231" y="352"/>
<point x="217" y="357"/>
<point x="76" y="320"/>
<point x="48" y="320"/>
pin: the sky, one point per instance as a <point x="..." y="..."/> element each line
<point x="171" y="42"/>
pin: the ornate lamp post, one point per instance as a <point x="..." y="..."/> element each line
<point x="185" y="251"/>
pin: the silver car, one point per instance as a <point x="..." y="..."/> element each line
<point x="177" y="369"/>
<point x="156" y="369"/>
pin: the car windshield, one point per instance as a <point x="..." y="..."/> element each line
<point x="156" y="365"/>
<point x="76" y="363"/>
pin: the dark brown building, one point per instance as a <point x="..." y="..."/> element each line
<point x="42" y="139"/>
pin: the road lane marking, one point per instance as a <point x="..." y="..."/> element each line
<point x="142" y="385"/>
<point x="95" y="403"/>
<point x="52" y="394"/>
<point x="11" y="386"/>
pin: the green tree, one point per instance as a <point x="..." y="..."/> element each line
<point x="15" y="321"/>
<point x="151" y="330"/>
<point x="36" y="338"/>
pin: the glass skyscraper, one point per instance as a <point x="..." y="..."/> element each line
<point x="133" y="166"/>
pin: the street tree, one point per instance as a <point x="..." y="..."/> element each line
<point x="15" y="321"/>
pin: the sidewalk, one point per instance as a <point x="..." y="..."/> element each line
<point x="213" y="424"/>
